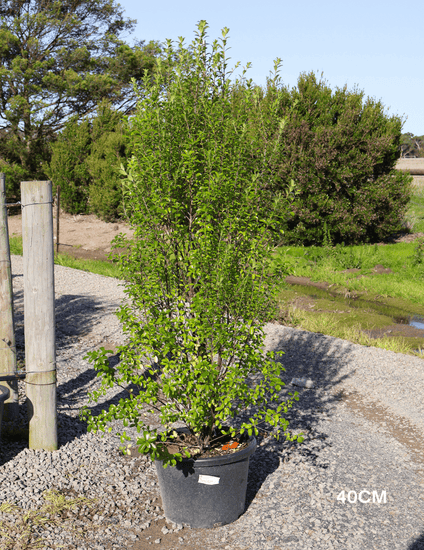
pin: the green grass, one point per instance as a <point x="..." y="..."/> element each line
<point x="15" y="244"/>
<point x="93" y="266"/>
<point x="331" y="325"/>
<point x="382" y="297"/>
<point x="320" y="264"/>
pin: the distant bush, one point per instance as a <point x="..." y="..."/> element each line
<point x="68" y="167"/>
<point x="85" y="163"/>
<point x="341" y="151"/>
<point x="108" y="151"/>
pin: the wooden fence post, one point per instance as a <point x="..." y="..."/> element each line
<point x="39" y="312"/>
<point x="57" y="217"/>
<point x="7" y="329"/>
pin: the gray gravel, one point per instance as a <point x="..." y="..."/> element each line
<point x="363" y="423"/>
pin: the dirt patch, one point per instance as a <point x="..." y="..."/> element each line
<point x="402" y="238"/>
<point x="396" y="330"/>
<point x="80" y="236"/>
<point x="306" y="281"/>
<point x="380" y="269"/>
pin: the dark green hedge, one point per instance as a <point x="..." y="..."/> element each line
<point x="341" y="151"/>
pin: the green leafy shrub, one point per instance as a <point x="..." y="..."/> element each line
<point x="341" y="151"/>
<point x="197" y="271"/>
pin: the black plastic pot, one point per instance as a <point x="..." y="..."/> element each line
<point x="207" y="492"/>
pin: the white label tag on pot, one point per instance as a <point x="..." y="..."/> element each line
<point x="208" y="480"/>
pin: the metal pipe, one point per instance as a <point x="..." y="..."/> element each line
<point x="9" y="377"/>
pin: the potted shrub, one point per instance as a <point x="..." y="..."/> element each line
<point x="199" y="285"/>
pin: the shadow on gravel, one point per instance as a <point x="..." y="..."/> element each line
<point x="312" y="355"/>
<point x="76" y="315"/>
<point x="273" y="454"/>
<point x="307" y="355"/>
<point x="18" y="317"/>
<point x="69" y="397"/>
<point x="417" y="544"/>
<point x="73" y="392"/>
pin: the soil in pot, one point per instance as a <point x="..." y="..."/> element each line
<point x="221" y="444"/>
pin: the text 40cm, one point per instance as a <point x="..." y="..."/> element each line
<point x="364" y="496"/>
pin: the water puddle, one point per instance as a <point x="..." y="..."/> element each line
<point x="398" y="313"/>
<point x="377" y="316"/>
<point x="417" y="321"/>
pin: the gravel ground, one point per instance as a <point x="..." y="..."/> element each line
<point x="363" y="421"/>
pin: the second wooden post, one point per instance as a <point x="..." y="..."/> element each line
<point x="7" y="329"/>
<point x="39" y="312"/>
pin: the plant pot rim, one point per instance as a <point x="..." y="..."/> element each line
<point x="237" y="456"/>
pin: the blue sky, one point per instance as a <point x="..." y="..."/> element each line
<point x="374" y="44"/>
